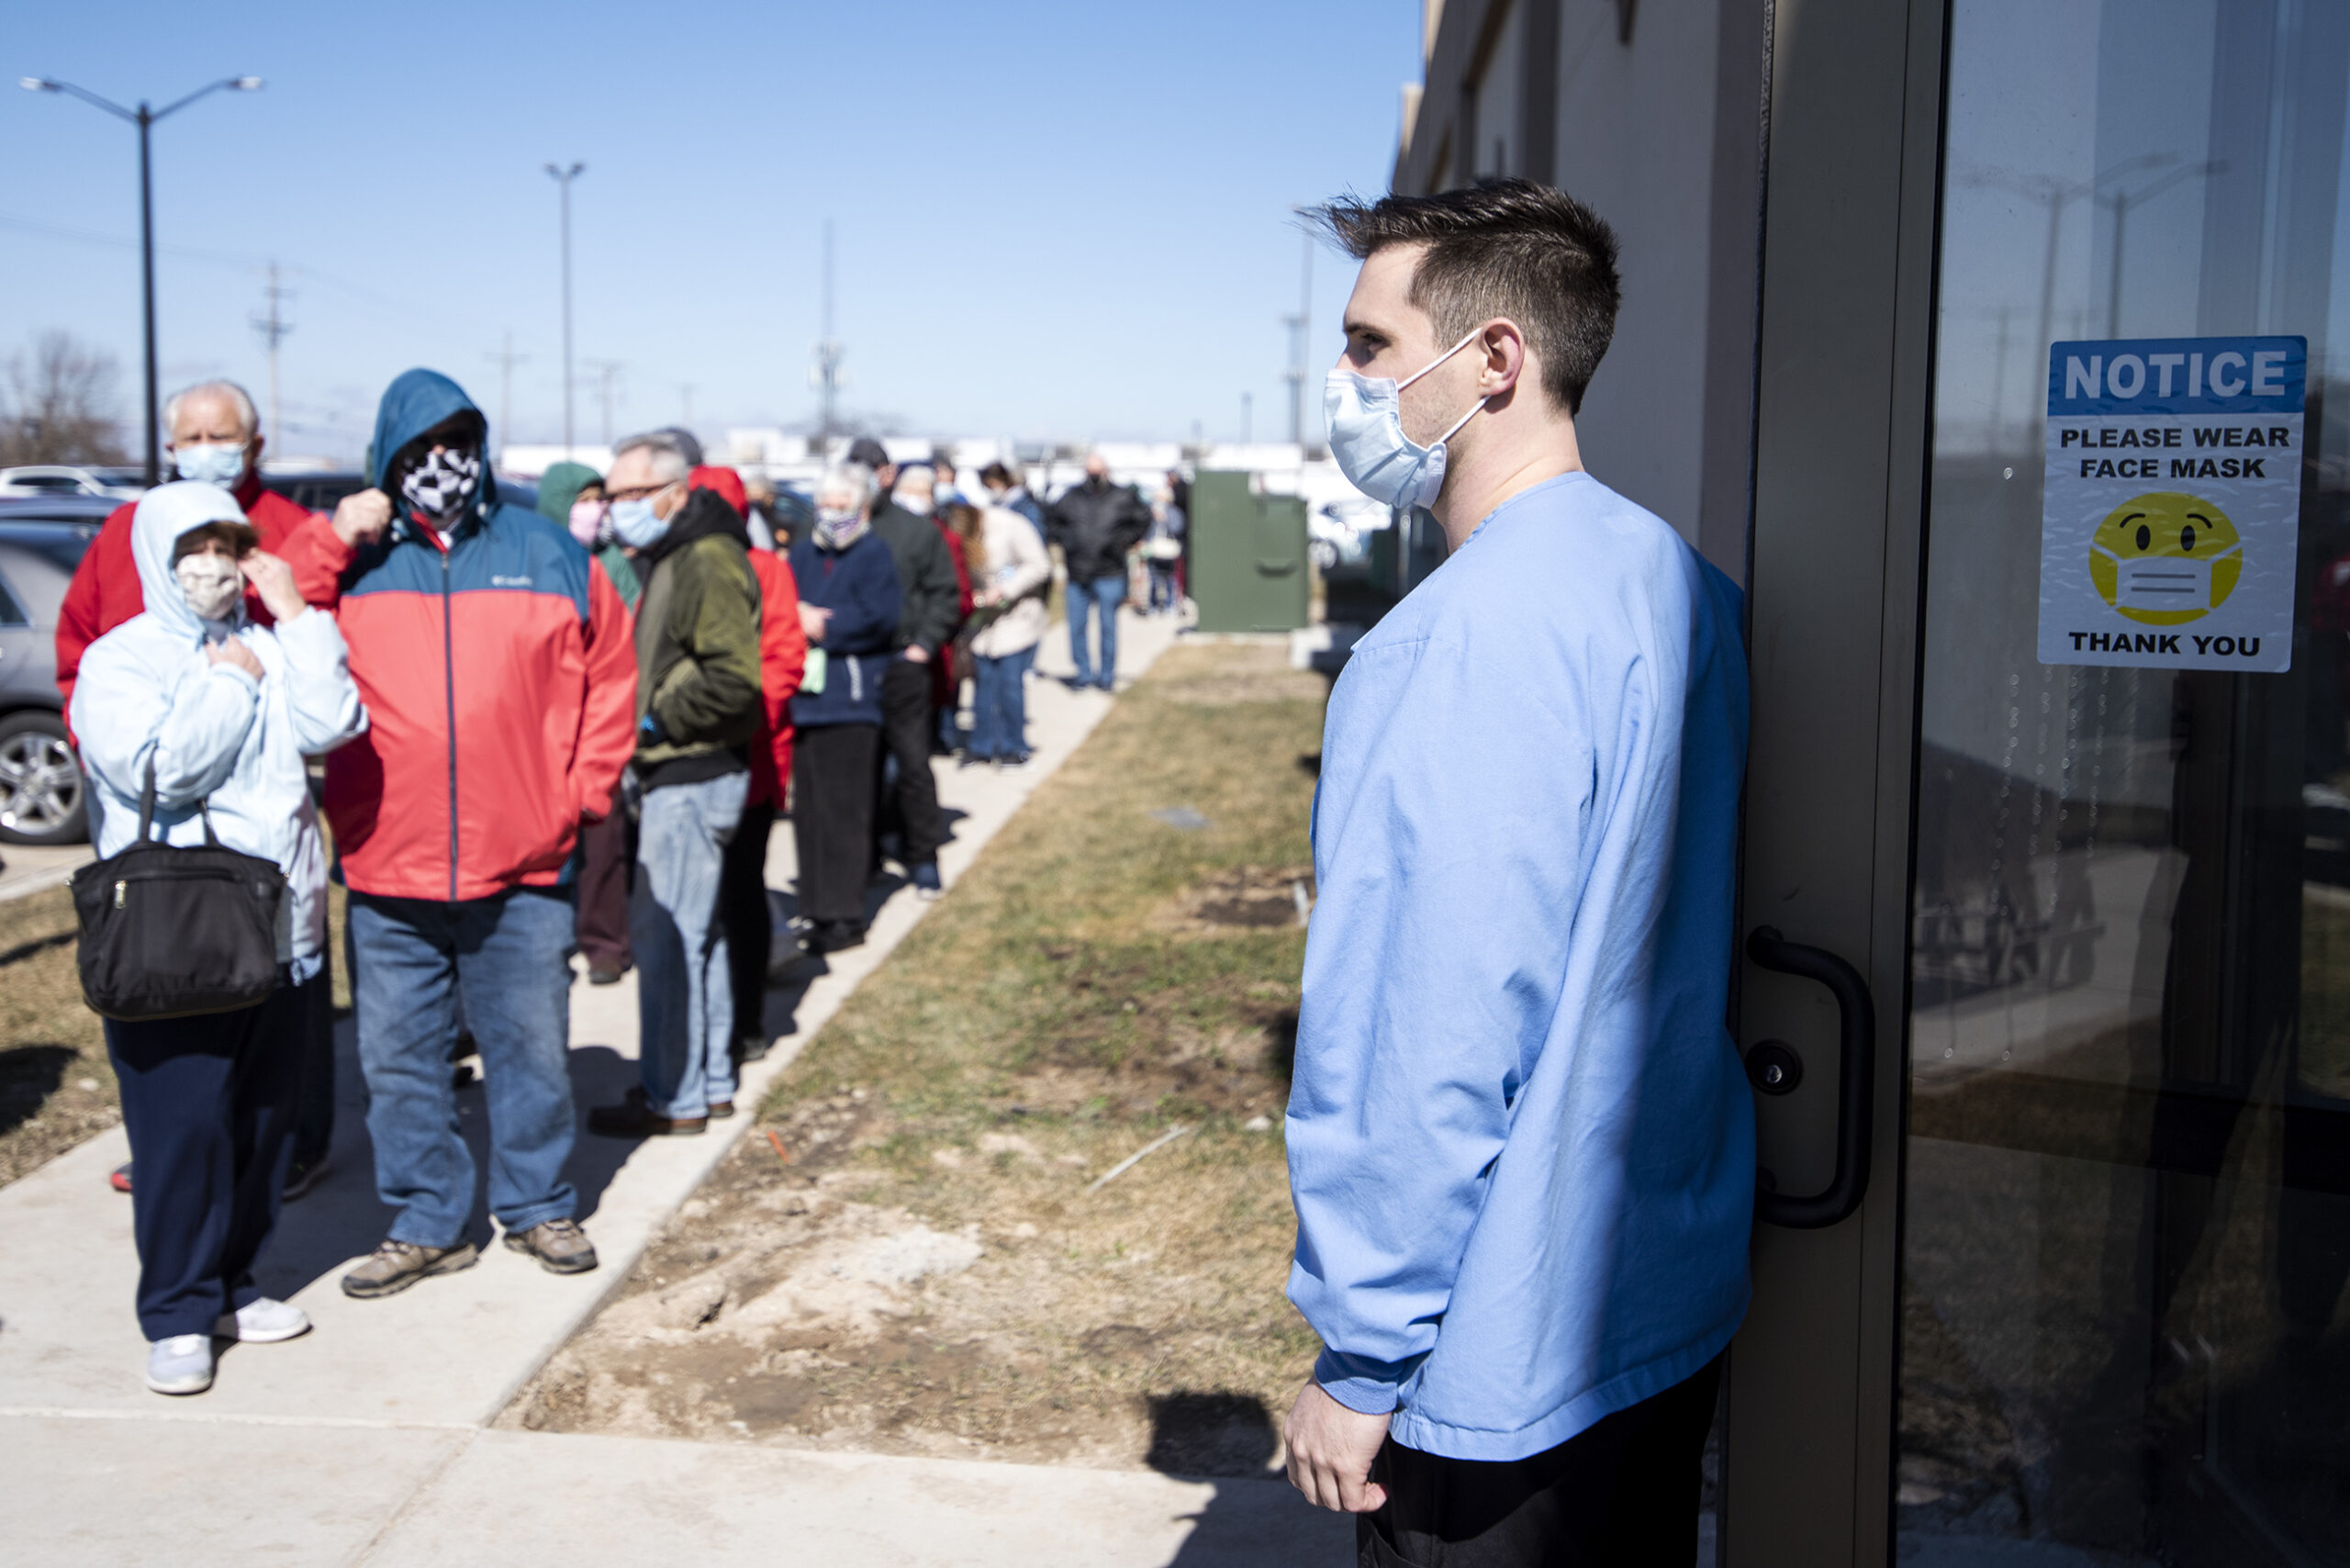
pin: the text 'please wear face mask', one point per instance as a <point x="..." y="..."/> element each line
<point x="1366" y="418"/>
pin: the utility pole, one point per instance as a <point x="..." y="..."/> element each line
<point x="1300" y="326"/>
<point x="144" y="119"/>
<point x="607" y="371"/>
<point x="685" y="391"/>
<point x="273" y="328"/>
<point x="1247" y="411"/>
<point x="825" y="373"/>
<point x="505" y="359"/>
<point x="563" y="177"/>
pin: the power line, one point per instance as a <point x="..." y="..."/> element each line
<point x="607" y="372"/>
<point x="273" y="328"/>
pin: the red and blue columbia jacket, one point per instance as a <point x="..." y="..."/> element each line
<point x="500" y="676"/>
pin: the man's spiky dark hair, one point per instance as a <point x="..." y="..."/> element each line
<point x="1501" y="247"/>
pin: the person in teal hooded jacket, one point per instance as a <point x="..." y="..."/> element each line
<point x="500" y="675"/>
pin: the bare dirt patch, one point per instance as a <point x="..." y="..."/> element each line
<point x="921" y="1268"/>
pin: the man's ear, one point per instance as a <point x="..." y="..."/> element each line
<point x="252" y="451"/>
<point x="1502" y="347"/>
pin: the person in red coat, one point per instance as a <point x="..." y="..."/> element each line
<point x="743" y="883"/>
<point x="214" y="435"/>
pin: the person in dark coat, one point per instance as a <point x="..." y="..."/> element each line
<point x="850" y="605"/>
<point x="1096" y="524"/>
<point x="929" y="615"/>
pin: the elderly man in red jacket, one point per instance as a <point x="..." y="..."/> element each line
<point x="213" y="435"/>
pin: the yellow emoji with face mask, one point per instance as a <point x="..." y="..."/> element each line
<point x="2165" y="559"/>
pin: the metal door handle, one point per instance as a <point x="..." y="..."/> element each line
<point x="1275" y="568"/>
<point x="1855" y="1080"/>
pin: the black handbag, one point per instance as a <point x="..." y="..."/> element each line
<point x="175" y="932"/>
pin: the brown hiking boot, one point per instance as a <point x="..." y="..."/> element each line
<point x="559" y="1245"/>
<point x="395" y="1265"/>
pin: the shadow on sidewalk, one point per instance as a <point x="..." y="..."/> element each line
<point x="340" y="1219"/>
<point x="1255" y="1517"/>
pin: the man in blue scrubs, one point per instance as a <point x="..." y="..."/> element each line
<point x="1520" y="1142"/>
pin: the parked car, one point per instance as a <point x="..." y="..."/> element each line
<point x="43" y="798"/>
<point x="44" y="479"/>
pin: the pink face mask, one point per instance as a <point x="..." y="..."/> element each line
<point x="587" y="521"/>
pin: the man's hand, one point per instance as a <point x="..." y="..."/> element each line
<point x="273" y="581"/>
<point x="813" y="619"/>
<point x="916" y="654"/>
<point x="361" y="518"/>
<point x="230" y="651"/>
<point x="1331" y="1450"/>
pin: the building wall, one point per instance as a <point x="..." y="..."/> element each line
<point x="1660" y="132"/>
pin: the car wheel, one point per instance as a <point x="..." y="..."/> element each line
<point x="42" y="789"/>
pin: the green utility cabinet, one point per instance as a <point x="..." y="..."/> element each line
<point x="1249" y="556"/>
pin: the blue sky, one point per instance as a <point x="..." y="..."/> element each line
<point x="1052" y="218"/>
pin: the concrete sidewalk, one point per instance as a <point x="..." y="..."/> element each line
<point x="364" y="1441"/>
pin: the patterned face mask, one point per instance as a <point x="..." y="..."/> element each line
<point x="441" y="486"/>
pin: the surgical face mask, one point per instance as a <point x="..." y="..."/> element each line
<point x="2163" y="583"/>
<point x="1366" y="417"/>
<point x="215" y="463"/>
<point x="921" y="506"/>
<point x="587" y="521"/>
<point x="443" y="483"/>
<point x="636" y="524"/>
<point x="212" y="584"/>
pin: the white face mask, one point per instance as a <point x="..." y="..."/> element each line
<point x="1366" y="417"/>
<point x="213" y="463"/>
<point x="212" y="584"/>
<point x="2163" y="582"/>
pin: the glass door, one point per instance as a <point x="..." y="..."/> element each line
<point x="2125" y="1230"/>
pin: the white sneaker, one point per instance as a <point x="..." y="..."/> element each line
<point x="180" y="1364"/>
<point x="263" y="1321"/>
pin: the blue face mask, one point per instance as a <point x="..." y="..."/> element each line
<point x="213" y="465"/>
<point x="635" y="524"/>
<point x="1366" y="421"/>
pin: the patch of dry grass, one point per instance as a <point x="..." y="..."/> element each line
<point x="56" y="1085"/>
<point x="927" y="1272"/>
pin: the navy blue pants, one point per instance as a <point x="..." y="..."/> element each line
<point x="208" y="1103"/>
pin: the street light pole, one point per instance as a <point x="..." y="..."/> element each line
<point x="144" y="119"/>
<point x="562" y="176"/>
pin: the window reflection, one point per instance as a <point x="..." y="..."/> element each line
<point x="2127" y="1226"/>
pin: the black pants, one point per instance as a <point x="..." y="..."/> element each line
<point x="601" y="926"/>
<point x="1622" y="1493"/>
<point x="314" y="1110"/>
<point x="907" y="728"/>
<point x="743" y="911"/>
<point x="208" y="1103"/>
<point x="832" y="817"/>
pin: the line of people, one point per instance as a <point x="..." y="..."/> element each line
<point x="566" y="729"/>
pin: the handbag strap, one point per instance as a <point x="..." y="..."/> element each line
<point x="147" y="809"/>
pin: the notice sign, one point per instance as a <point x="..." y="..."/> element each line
<point x="2172" y="512"/>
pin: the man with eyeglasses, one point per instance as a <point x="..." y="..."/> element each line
<point x="500" y="676"/>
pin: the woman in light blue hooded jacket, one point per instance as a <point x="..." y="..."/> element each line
<point x="223" y="713"/>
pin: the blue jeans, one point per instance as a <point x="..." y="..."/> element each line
<point x="506" y="956"/>
<point x="1000" y="706"/>
<point x="1104" y="594"/>
<point x="685" y="990"/>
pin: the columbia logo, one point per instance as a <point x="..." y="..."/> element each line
<point x="509" y="582"/>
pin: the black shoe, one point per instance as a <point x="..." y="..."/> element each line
<point x="751" y="1047"/>
<point x="603" y="972"/>
<point x="634" y="1117"/>
<point x="837" y="935"/>
<point x="302" y="1175"/>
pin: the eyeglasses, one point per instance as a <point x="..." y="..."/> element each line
<point x="639" y="492"/>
